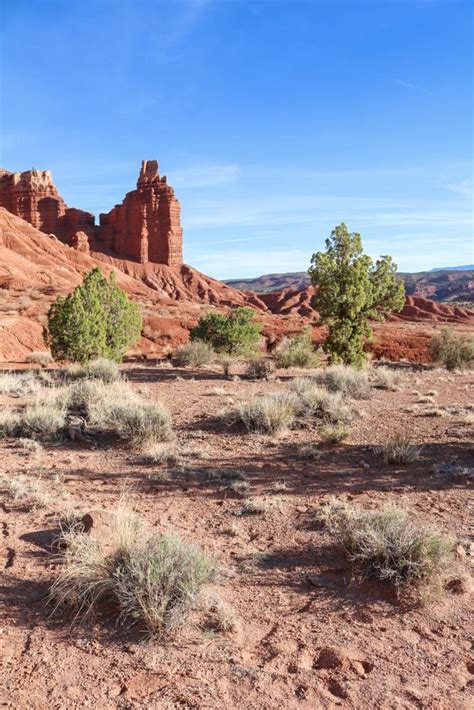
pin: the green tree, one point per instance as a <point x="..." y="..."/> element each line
<point x="350" y="290"/>
<point x="96" y="320"/>
<point x="235" y="334"/>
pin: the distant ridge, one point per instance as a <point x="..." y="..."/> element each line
<point x="448" y="285"/>
<point x="468" y="267"/>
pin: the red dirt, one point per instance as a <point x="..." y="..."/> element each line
<point x="307" y="636"/>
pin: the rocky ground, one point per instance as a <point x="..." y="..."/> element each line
<point x="305" y="634"/>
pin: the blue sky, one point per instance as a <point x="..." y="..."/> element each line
<point x="274" y="120"/>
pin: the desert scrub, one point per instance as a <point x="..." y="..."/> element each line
<point x="399" y="449"/>
<point x="452" y="350"/>
<point x="46" y="416"/>
<point x="298" y="352"/>
<point x="385" y="379"/>
<point x="99" y="369"/>
<point x="34" y="492"/>
<point x="270" y="414"/>
<point x="345" y="379"/>
<point x="14" y="385"/>
<point x="156" y="452"/>
<point x="40" y="357"/>
<point x="139" y="422"/>
<point x="115" y="407"/>
<point x="333" y="433"/>
<point x="387" y="545"/>
<point x="196" y="353"/>
<point x="226" y="362"/>
<point x="149" y="579"/>
<point x="260" y="369"/>
<point x="320" y="402"/>
<point x="10" y="422"/>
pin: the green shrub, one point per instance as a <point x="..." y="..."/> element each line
<point x="195" y="354"/>
<point x="388" y="545"/>
<point x="298" y="351"/>
<point x="95" y="320"/>
<point x="260" y="369"/>
<point x="452" y="350"/>
<point x="145" y="578"/>
<point x="235" y="334"/>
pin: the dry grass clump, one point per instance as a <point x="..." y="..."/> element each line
<point x="101" y="369"/>
<point x="270" y="414"/>
<point x="148" y="578"/>
<point x="139" y="422"/>
<point x="260" y="368"/>
<point x="115" y="407"/>
<point x="45" y="417"/>
<point x="399" y="449"/>
<point x="29" y="446"/>
<point x="308" y="452"/>
<point x="155" y="452"/>
<point x="10" y="422"/>
<point x="341" y="378"/>
<point x="38" y="357"/>
<point x="452" y="350"/>
<point x="18" y="385"/>
<point x="387" y="545"/>
<point x="321" y="402"/>
<point x="386" y="379"/>
<point x="196" y="353"/>
<point x="220" y="615"/>
<point x="27" y="490"/>
<point x="226" y="361"/>
<point x="333" y="433"/>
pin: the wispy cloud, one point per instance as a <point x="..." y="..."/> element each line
<point x="413" y="87"/>
<point x="463" y="187"/>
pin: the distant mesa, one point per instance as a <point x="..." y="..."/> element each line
<point x="145" y="227"/>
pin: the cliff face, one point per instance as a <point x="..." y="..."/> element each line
<point x="33" y="196"/>
<point x="146" y="227"/>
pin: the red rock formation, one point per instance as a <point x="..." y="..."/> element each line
<point x="146" y="226"/>
<point x="33" y="196"/>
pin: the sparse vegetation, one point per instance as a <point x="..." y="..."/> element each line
<point x="350" y="382"/>
<point x="385" y="379"/>
<point x="196" y="353"/>
<point x="99" y="369"/>
<point x="18" y="385"/>
<point x="155" y="452"/>
<point x="399" y="449"/>
<point x="270" y="414"/>
<point x="95" y="320"/>
<point x="387" y="545"/>
<point x="260" y="369"/>
<point x="298" y="351"/>
<point x="151" y="579"/>
<point x="333" y="433"/>
<point x="235" y="334"/>
<point x="227" y="362"/>
<point x="452" y="350"/>
<point x="350" y="290"/>
<point x="40" y="357"/>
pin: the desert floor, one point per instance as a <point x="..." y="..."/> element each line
<point x="289" y="587"/>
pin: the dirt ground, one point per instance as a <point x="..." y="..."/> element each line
<point x="307" y="636"/>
